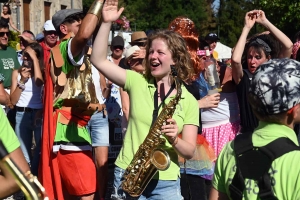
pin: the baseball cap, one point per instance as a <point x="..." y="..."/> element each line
<point x="48" y="26"/>
<point x="59" y="17"/>
<point x="130" y="51"/>
<point x="212" y="37"/>
<point x="117" y="41"/>
<point x="276" y="84"/>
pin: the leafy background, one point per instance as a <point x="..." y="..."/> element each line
<point x="227" y="20"/>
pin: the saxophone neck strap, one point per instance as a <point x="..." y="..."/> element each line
<point x="156" y="107"/>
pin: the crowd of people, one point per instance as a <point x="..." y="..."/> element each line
<point x="63" y="94"/>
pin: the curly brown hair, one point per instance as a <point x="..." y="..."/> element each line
<point x="180" y="55"/>
<point x="187" y="29"/>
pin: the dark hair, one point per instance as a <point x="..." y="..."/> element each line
<point x="297" y="37"/>
<point x="70" y="20"/>
<point x="31" y="33"/>
<point x="3" y="24"/>
<point x="39" y="53"/>
<point x="267" y="39"/>
<point x="8" y="7"/>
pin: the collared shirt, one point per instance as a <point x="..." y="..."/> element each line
<point x="284" y="171"/>
<point x="141" y="92"/>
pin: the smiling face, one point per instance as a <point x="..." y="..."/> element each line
<point x="255" y="58"/>
<point x="50" y="38"/>
<point x="4" y="34"/>
<point x="160" y="58"/>
<point x="5" y="10"/>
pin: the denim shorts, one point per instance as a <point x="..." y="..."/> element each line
<point x="155" y="190"/>
<point x="98" y="128"/>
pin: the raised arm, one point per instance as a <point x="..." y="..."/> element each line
<point x="110" y="70"/>
<point x="87" y="28"/>
<point x="287" y="45"/>
<point x="38" y="78"/>
<point x="236" y="59"/>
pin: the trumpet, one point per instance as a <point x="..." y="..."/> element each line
<point x="28" y="183"/>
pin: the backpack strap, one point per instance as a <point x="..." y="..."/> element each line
<point x="242" y="143"/>
<point x="255" y="162"/>
<point x="273" y="152"/>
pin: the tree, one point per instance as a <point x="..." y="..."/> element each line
<point x="231" y="16"/>
<point x="282" y="13"/>
<point x="157" y="14"/>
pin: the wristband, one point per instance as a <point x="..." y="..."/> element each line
<point x="175" y="141"/>
<point x="96" y="9"/>
<point x="21" y="85"/>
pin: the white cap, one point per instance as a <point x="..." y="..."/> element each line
<point x="130" y="51"/>
<point x="48" y="26"/>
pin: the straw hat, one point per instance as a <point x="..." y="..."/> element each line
<point x="137" y="37"/>
<point x="130" y="51"/>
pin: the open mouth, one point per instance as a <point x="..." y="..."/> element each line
<point x="155" y="64"/>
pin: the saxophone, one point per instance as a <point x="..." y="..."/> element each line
<point x="150" y="157"/>
<point x="28" y="183"/>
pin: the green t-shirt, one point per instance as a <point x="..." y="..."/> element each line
<point x="71" y="132"/>
<point x="7" y="134"/>
<point x="284" y="172"/>
<point x="141" y="93"/>
<point x="8" y="62"/>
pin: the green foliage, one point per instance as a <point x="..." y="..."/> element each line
<point x="13" y="39"/>
<point x="282" y="13"/>
<point x="157" y="14"/>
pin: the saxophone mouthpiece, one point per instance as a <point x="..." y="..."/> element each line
<point x="173" y="71"/>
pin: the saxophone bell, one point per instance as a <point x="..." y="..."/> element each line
<point x="160" y="159"/>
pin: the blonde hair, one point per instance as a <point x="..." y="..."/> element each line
<point x="180" y="55"/>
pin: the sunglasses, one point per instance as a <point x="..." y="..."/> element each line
<point x="51" y="32"/>
<point x="118" y="47"/>
<point x="3" y="33"/>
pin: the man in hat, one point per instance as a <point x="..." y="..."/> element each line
<point x="49" y="39"/>
<point x="275" y="99"/>
<point x="138" y="38"/>
<point x="67" y="170"/>
<point x="212" y="40"/>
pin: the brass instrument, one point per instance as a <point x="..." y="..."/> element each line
<point x="28" y="183"/>
<point x="150" y="157"/>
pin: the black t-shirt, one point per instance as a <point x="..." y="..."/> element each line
<point x="194" y="90"/>
<point x="248" y="120"/>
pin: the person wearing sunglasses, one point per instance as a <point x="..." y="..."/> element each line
<point x="50" y="39"/>
<point x="8" y="61"/>
<point x="26" y="38"/>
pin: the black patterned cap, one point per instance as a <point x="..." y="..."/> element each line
<point x="59" y="17"/>
<point x="277" y="84"/>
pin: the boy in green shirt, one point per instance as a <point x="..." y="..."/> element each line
<point x="275" y="97"/>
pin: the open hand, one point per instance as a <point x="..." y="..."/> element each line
<point x="110" y="11"/>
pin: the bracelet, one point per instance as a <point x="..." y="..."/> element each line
<point x="21" y="85"/>
<point x="175" y="141"/>
<point x="96" y="9"/>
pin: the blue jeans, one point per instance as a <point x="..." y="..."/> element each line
<point x="98" y="128"/>
<point x="27" y="126"/>
<point x="155" y="190"/>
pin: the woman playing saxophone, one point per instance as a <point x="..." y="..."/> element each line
<point x="164" y="49"/>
